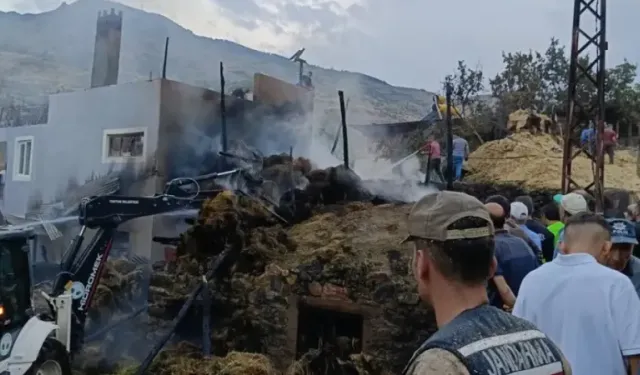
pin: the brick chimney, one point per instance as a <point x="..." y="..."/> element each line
<point x="106" y="55"/>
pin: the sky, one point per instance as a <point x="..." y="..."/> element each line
<point x="412" y="43"/>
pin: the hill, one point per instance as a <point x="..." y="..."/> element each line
<point x="52" y="51"/>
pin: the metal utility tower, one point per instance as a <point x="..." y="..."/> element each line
<point x="593" y="72"/>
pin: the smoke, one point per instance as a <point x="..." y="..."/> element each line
<point x="256" y="130"/>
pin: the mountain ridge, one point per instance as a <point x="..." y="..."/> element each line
<point x="53" y="51"/>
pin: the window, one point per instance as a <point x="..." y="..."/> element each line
<point x="122" y="145"/>
<point x="23" y="163"/>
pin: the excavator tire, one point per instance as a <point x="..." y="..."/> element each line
<point x="53" y="359"/>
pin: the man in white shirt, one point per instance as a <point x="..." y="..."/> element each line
<point x="590" y="311"/>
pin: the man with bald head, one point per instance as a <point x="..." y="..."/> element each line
<point x="515" y="260"/>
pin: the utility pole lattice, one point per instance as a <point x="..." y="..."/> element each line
<point x="594" y="73"/>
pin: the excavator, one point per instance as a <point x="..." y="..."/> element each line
<point x="44" y="343"/>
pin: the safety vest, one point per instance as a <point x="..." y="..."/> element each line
<point x="489" y="341"/>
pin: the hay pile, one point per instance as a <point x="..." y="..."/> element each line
<point x="526" y="120"/>
<point x="338" y="252"/>
<point x="187" y="359"/>
<point x="535" y="162"/>
<point x="346" y="253"/>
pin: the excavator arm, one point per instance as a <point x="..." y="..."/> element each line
<point x="81" y="267"/>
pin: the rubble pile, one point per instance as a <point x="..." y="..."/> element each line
<point x="330" y="292"/>
<point x="299" y="188"/>
<point x="348" y="257"/>
<point x="333" y="292"/>
<point x="535" y="162"/>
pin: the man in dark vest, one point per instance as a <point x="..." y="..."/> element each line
<point x="453" y="257"/>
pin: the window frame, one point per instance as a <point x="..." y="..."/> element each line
<point x="106" y="136"/>
<point x="17" y="161"/>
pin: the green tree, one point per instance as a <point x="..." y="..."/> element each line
<point x="522" y="84"/>
<point x="540" y="81"/>
<point x="556" y="75"/>
<point x="467" y="83"/>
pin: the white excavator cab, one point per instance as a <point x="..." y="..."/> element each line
<point x="29" y="344"/>
<point x="15" y="280"/>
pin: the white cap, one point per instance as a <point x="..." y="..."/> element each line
<point x="519" y="211"/>
<point x="574" y="203"/>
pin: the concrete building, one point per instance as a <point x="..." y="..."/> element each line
<point x="146" y="127"/>
<point x="101" y="131"/>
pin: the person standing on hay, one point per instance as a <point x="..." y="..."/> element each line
<point x="452" y="235"/>
<point x="588" y="139"/>
<point x="610" y="141"/>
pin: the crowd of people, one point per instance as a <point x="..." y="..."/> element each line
<point x="517" y="291"/>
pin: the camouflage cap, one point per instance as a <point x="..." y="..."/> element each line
<point x="433" y="214"/>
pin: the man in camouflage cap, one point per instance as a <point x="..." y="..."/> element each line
<point x="453" y="257"/>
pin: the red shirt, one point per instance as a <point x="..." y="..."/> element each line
<point x="432" y="149"/>
<point x="609" y="137"/>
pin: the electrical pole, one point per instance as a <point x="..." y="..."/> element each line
<point x="345" y="139"/>
<point x="223" y="111"/>
<point x="593" y="73"/>
<point x="450" y="170"/>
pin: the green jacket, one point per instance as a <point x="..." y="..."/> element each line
<point x="556" y="228"/>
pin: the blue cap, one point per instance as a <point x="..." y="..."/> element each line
<point x="558" y="198"/>
<point x="622" y="231"/>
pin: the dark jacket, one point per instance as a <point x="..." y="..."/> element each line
<point x="515" y="260"/>
<point x="547" y="238"/>
<point x="489" y="341"/>
<point x="636" y="249"/>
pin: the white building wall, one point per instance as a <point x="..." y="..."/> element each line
<point x="70" y="146"/>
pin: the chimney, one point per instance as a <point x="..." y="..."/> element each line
<point x="106" y="55"/>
